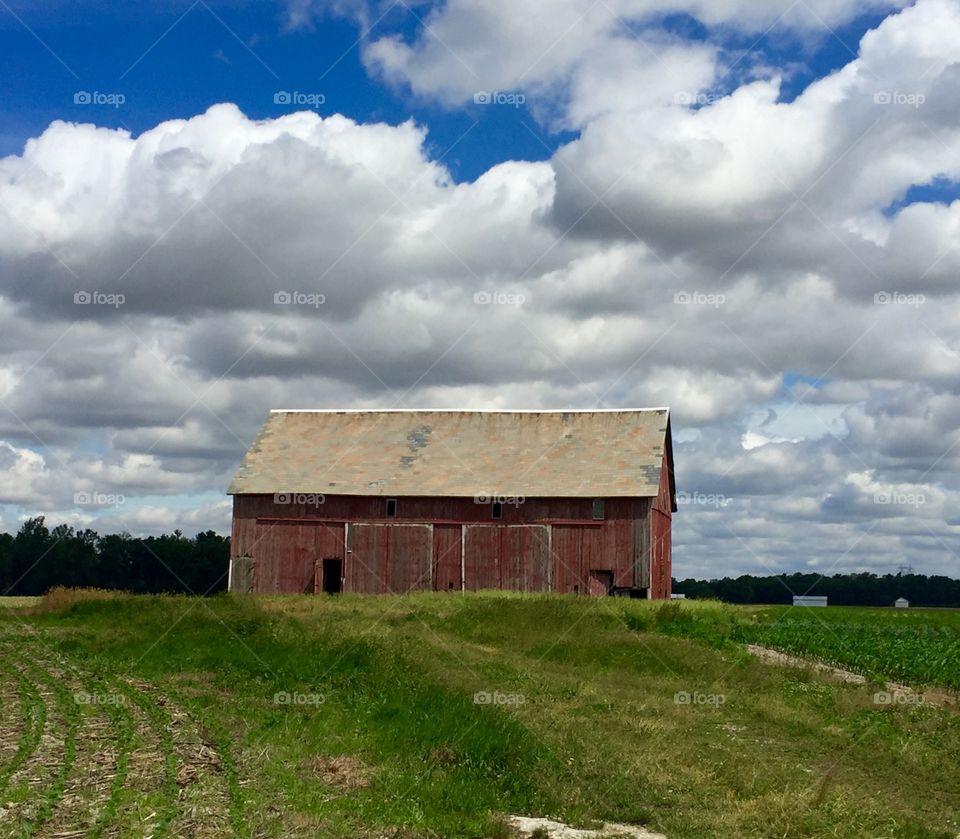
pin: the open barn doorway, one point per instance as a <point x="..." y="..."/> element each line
<point x="601" y="583"/>
<point x="332" y="579"/>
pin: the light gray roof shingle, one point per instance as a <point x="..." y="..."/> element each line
<point x="458" y="453"/>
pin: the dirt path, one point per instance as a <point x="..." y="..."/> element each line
<point x="894" y="693"/>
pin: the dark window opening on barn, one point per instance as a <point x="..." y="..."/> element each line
<point x="496" y="510"/>
<point x="391" y="508"/>
<point x="597" y="509"/>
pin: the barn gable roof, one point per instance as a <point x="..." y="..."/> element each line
<point x="571" y="454"/>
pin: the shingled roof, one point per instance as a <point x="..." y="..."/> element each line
<point x="573" y="454"/>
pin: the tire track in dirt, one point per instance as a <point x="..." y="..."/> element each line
<point x="91" y="754"/>
<point x="87" y="785"/>
<point x="149" y="795"/>
<point x="13" y="710"/>
<point x="21" y="734"/>
<point x="34" y="787"/>
<point x="204" y="801"/>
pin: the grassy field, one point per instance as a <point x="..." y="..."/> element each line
<point x="435" y="715"/>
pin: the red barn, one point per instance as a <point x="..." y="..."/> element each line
<point x="392" y="501"/>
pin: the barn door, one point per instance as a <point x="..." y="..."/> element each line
<point x="511" y="557"/>
<point x="389" y="558"/>
<point x="241" y="574"/>
<point x="446" y="557"/>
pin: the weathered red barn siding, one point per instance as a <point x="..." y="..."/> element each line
<point x="389" y="558"/>
<point x="524" y="557"/>
<point x="294" y="549"/>
<point x="446" y="557"/>
<point x="660" y="537"/>
<point x="443" y="543"/>
<point x="511" y="556"/>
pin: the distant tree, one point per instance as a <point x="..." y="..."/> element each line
<point x="6" y="562"/>
<point x="36" y="559"/>
<point x="860" y="589"/>
<point x="31" y="570"/>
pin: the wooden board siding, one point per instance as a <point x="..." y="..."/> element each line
<point x="291" y="552"/>
<point x="446" y="557"/>
<point x="412" y="509"/>
<point x="539" y="545"/>
<point x="481" y="558"/>
<point x="514" y="557"/>
<point x="525" y="557"/>
<point x="409" y="557"/>
<point x="567" y="552"/>
<point x="642" y="537"/>
<point x="661" y="537"/>
<point x="661" y="561"/>
<point x="394" y="558"/>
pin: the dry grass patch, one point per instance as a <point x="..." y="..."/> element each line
<point x="60" y="599"/>
<point x="345" y="773"/>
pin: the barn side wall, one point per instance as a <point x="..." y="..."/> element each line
<point x="661" y="537"/>
<point x="445" y="544"/>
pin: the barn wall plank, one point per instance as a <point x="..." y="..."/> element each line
<point x="446" y="557"/>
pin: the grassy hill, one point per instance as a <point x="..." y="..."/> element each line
<point x="435" y="715"/>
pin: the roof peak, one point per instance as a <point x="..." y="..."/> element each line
<point x="467" y="410"/>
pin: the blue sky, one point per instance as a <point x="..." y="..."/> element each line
<point x="172" y="60"/>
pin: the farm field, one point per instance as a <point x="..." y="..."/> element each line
<point x="436" y="715"/>
<point x="915" y="646"/>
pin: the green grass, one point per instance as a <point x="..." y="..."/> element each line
<point x="917" y="646"/>
<point x="591" y="725"/>
<point x="920" y="646"/>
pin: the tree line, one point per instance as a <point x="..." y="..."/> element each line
<point x="38" y="558"/>
<point x="862" y="589"/>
